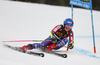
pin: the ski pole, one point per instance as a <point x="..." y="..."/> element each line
<point x="28" y="41"/>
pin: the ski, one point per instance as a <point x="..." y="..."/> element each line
<point x="23" y="51"/>
<point x="51" y="52"/>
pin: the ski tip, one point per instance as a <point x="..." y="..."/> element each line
<point x="64" y="56"/>
<point x="42" y="55"/>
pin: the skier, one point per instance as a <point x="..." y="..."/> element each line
<point x="58" y="37"/>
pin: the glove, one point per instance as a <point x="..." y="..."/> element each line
<point x="53" y="39"/>
<point x="71" y="45"/>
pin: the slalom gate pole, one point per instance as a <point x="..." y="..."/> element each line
<point x="72" y="11"/>
<point x="93" y="28"/>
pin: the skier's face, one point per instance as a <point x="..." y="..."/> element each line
<point x="67" y="27"/>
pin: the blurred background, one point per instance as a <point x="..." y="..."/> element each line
<point x="96" y="3"/>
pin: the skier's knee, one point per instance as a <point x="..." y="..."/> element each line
<point x="36" y="45"/>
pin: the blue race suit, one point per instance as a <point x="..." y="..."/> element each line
<point x="61" y="36"/>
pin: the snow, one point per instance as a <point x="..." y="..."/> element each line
<point x="28" y="21"/>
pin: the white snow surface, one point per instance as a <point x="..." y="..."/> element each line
<point x="29" y="21"/>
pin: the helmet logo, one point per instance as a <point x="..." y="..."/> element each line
<point x="70" y="22"/>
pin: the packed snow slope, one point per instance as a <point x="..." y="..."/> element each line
<point x="28" y="21"/>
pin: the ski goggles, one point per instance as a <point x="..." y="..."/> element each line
<point x="68" y="27"/>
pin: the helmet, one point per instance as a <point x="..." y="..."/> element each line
<point x="68" y="22"/>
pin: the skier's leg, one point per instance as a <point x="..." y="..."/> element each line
<point x="26" y="47"/>
<point x="37" y="45"/>
<point x="61" y="43"/>
<point x="44" y="44"/>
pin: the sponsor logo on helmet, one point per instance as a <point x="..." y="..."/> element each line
<point x="70" y="22"/>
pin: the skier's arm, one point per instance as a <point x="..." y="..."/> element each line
<point x="54" y="37"/>
<point x="71" y="39"/>
<point x="55" y="29"/>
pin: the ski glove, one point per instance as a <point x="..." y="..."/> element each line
<point x="53" y="39"/>
<point x="71" y="45"/>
